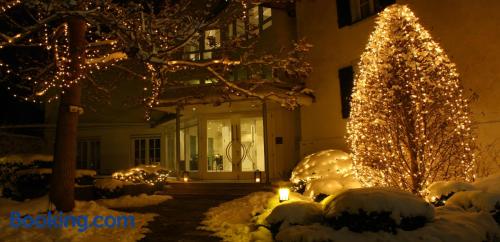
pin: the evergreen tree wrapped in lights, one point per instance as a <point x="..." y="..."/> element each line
<point x="410" y="122"/>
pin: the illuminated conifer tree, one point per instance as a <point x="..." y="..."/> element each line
<point x="410" y="122"/>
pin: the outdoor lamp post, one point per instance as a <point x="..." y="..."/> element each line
<point x="185" y="176"/>
<point x="284" y="194"/>
<point x="257" y="175"/>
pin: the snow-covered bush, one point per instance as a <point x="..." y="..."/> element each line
<point x="377" y="209"/>
<point x="324" y="172"/>
<point x="438" y="192"/>
<point x="34" y="182"/>
<point x="477" y="201"/>
<point x="110" y="188"/>
<point x="149" y="174"/>
<point x="294" y="213"/>
<point x="9" y="164"/>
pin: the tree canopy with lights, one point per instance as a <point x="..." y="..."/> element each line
<point x="410" y="123"/>
<point x="51" y="50"/>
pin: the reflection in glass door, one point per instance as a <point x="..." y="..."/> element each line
<point x="252" y="144"/>
<point x="219" y="148"/>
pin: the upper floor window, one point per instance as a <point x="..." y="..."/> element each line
<point x="351" y="11"/>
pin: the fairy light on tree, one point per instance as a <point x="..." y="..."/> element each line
<point x="410" y="123"/>
<point x="52" y="50"/>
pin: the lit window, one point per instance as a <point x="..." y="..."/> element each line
<point x="212" y="39"/>
<point x="253" y="16"/>
<point x="266" y="18"/>
<point x="351" y="11"/>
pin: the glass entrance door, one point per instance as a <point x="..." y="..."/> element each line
<point x="235" y="147"/>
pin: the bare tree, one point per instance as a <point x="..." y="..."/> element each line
<point x="50" y="50"/>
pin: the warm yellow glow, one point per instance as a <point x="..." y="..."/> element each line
<point x="186" y="179"/>
<point x="257" y="179"/>
<point x="410" y="123"/>
<point x="284" y="194"/>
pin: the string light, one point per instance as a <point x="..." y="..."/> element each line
<point x="410" y="123"/>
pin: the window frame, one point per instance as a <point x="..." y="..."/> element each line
<point x="142" y="156"/>
<point x="92" y="151"/>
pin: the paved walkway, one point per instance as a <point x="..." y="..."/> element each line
<point x="179" y="217"/>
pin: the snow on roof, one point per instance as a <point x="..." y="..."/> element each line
<point x="25" y="158"/>
<point x="322" y="164"/>
<point x="399" y="203"/>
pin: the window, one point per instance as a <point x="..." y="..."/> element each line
<point x="189" y="148"/>
<point x="351" y="11"/>
<point x="146" y="150"/>
<point x="346" y="79"/>
<point x="88" y="154"/>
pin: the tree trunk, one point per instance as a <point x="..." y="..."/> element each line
<point x="62" y="193"/>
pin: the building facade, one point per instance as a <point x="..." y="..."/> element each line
<point x="339" y="31"/>
<point x="233" y="140"/>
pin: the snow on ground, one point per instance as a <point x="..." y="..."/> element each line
<point x="489" y="184"/>
<point x="25" y="158"/>
<point x="399" y="203"/>
<point x="475" y="201"/>
<point x="443" y="188"/>
<point x="110" y="184"/>
<point x="296" y="212"/>
<point x="449" y="226"/>
<point x="44" y="171"/>
<point x="30" y="206"/>
<point x="231" y="220"/>
<point x="128" y="201"/>
<point x="70" y="234"/>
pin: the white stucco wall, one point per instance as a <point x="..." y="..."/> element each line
<point x="468" y="31"/>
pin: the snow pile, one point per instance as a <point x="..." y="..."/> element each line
<point x="110" y="184"/>
<point x="128" y="201"/>
<point x="489" y="184"/>
<point x="325" y="172"/>
<point x="25" y="158"/>
<point x="295" y="213"/>
<point x="46" y="171"/>
<point x="30" y="206"/>
<point x="443" y="188"/>
<point x="449" y="226"/>
<point x="475" y="201"/>
<point x="398" y="203"/>
<point x="231" y="220"/>
<point x="71" y="234"/>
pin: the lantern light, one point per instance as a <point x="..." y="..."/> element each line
<point x="284" y="194"/>
<point x="257" y="176"/>
<point x="185" y="176"/>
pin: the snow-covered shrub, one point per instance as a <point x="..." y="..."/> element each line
<point x="9" y="164"/>
<point x="377" y="209"/>
<point x="438" y="192"/>
<point x="149" y="174"/>
<point x="324" y="172"/>
<point x="34" y="182"/>
<point x="477" y="201"/>
<point x="294" y="213"/>
<point x="110" y="188"/>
